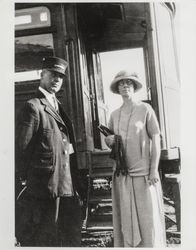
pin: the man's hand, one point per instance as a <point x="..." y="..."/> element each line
<point x="80" y="201"/>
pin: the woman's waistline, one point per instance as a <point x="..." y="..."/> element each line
<point x="141" y="168"/>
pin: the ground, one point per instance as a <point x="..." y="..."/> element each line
<point x="105" y="238"/>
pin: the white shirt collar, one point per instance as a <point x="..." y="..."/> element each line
<point x="48" y="95"/>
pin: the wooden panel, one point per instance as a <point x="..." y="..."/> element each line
<point x="101" y="108"/>
<point x="88" y="122"/>
<point x="105" y="31"/>
<point x="101" y="159"/>
<point x="170" y="86"/>
<point x="75" y="100"/>
<point x="134" y="10"/>
<point x="84" y="160"/>
<point x="119" y="27"/>
<point x="85" y="88"/>
<point x="119" y="42"/>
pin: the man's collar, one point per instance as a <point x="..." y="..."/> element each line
<point x="45" y="92"/>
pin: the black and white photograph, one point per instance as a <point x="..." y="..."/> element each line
<point x="99" y="139"/>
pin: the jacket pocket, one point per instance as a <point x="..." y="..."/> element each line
<point x="43" y="163"/>
<point x="46" y="140"/>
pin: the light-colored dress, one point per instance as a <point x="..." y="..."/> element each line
<point x="138" y="213"/>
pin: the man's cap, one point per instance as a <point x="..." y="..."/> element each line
<point x="124" y="74"/>
<point x="55" y="64"/>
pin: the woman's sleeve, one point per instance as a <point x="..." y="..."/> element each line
<point x="110" y="123"/>
<point x="152" y="124"/>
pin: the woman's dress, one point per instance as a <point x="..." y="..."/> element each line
<point x="138" y="212"/>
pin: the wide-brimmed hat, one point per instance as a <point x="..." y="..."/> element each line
<point x="55" y="64"/>
<point x="123" y="74"/>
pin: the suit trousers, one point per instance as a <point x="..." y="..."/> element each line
<point x="49" y="222"/>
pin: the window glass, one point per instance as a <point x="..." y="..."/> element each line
<point x="32" y="18"/>
<point x="114" y="61"/>
<point x="29" y="52"/>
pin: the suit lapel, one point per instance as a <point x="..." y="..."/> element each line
<point x="69" y="125"/>
<point x="54" y="114"/>
<point x="50" y="110"/>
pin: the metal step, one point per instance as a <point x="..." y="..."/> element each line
<point x="102" y="164"/>
<point x="101" y="217"/>
<point x="99" y="226"/>
<point x="101" y="172"/>
<point x="100" y="191"/>
<point x="100" y="197"/>
<point x="95" y="200"/>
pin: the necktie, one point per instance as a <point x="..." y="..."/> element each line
<point x="55" y="103"/>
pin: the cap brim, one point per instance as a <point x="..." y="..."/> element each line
<point x="57" y="70"/>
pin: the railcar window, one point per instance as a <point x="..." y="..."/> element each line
<point x="114" y="61"/>
<point x="32" y="18"/>
<point x="29" y="51"/>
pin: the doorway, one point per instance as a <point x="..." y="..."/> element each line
<point x="114" y="61"/>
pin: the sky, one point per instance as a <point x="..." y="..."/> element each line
<point x="131" y="60"/>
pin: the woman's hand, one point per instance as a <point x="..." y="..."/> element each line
<point x="109" y="140"/>
<point x="153" y="178"/>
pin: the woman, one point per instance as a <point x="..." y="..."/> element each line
<point x="138" y="215"/>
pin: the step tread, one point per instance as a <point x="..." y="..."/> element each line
<point x="104" y="215"/>
<point x="101" y="174"/>
<point x="99" y="228"/>
<point x="101" y="152"/>
<point x="100" y="200"/>
<point x="98" y="225"/>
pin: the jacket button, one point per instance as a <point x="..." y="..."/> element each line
<point x="65" y="152"/>
<point x="64" y="140"/>
<point x="61" y="128"/>
<point x="65" y="166"/>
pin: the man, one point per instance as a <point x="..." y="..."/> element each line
<point x="48" y="210"/>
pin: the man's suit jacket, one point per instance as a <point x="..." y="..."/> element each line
<point x="40" y="147"/>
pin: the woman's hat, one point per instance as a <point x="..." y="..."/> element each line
<point x="123" y="74"/>
<point x="55" y="64"/>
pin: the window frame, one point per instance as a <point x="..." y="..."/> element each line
<point x="52" y="29"/>
<point x="35" y="30"/>
<point x="32" y="13"/>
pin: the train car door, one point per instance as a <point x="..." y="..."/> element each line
<point x="107" y="27"/>
<point x="164" y="73"/>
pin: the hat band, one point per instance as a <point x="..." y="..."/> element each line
<point x="59" y="66"/>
